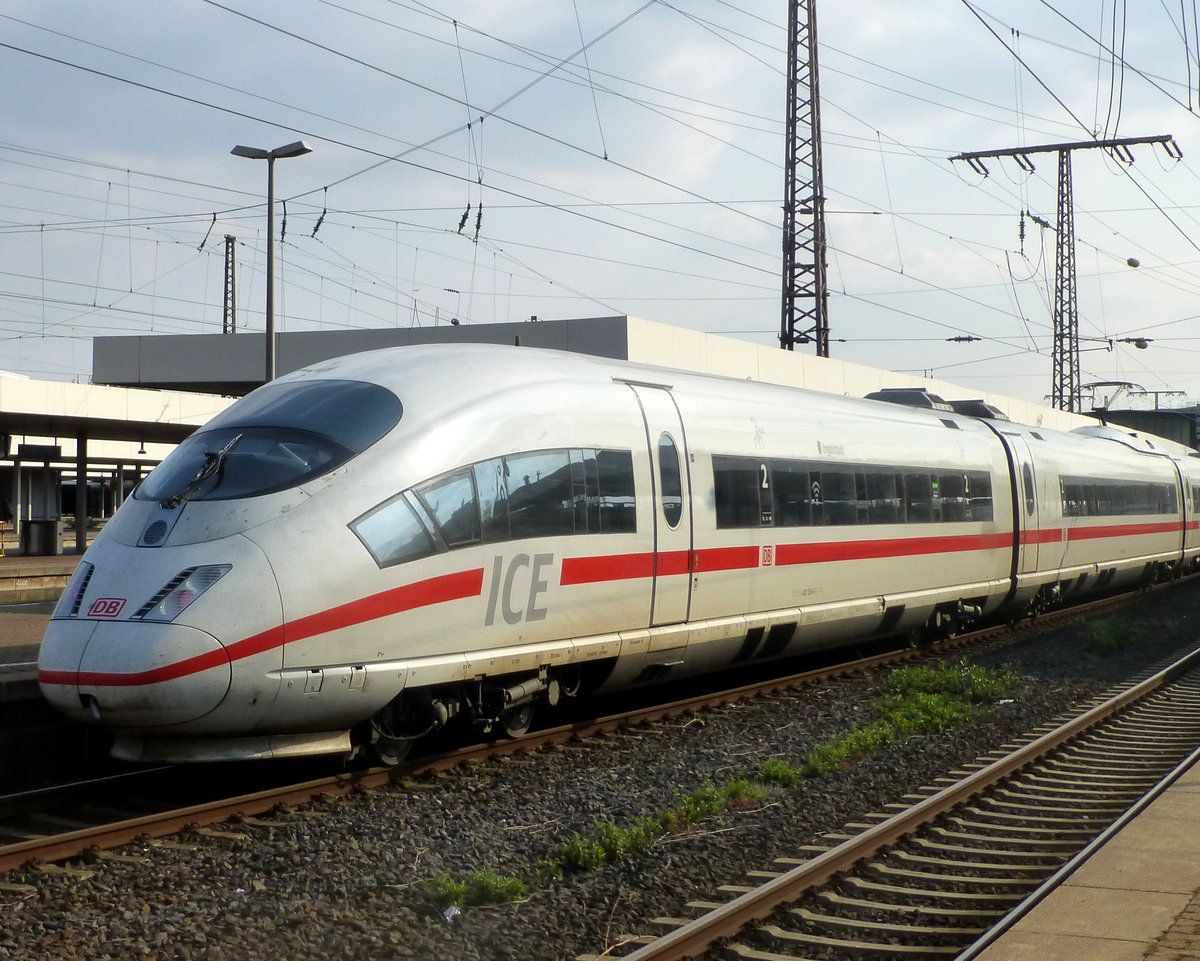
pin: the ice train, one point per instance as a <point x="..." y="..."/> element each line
<point x="366" y="549"/>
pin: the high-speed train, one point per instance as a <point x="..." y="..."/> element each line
<point x="361" y="551"/>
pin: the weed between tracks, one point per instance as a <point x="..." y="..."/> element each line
<point x="915" y="700"/>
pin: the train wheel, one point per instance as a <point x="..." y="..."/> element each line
<point x="388" y="735"/>
<point x="516" y="720"/>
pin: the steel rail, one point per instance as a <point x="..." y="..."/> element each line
<point x="106" y="836"/>
<point x="693" y="939"/>
<point x="62" y="846"/>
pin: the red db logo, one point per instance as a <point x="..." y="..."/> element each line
<point x="106" y="607"/>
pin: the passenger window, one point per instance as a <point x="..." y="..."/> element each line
<point x="671" y="486"/>
<point x="618" y="507"/>
<point x="451" y="501"/>
<point x="539" y="494"/>
<point x="884" y="502"/>
<point x="792" y="493"/>
<point x="585" y="491"/>
<point x="736" y="482"/>
<point x="392" y="533"/>
<point x="839" y="498"/>
<point x="493" y="499"/>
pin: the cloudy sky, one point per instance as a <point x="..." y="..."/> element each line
<point x="493" y="160"/>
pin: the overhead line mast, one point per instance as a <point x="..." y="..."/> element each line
<point x="1065" y="393"/>
<point x="805" y="318"/>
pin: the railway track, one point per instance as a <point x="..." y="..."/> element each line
<point x="943" y="872"/>
<point x="50" y="826"/>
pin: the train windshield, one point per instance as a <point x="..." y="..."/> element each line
<point x="276" y="438"/>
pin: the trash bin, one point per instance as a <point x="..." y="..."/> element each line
<point x="40" y="538"/>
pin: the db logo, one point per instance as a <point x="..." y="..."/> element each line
<point x="106" y="607"/>
<point x="768" y="557"/>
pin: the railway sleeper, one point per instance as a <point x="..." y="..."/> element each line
<point x="946" y="880"/>
<point x="1043" y="859"/>
<point x="1100" y="754"/>
<point x="917" y="910"/>
<point x="1100" y="797"/>
<point x="1066" y="846"/>
<point x="771" y="932"/>
<point x="1088" y="773"/>
<point x="1007" y="827"/>
<point x="954" y="864"/>
<point x="1041" y="803"/>
<point x="989" y="899"/>
<point x="935" y="932"/>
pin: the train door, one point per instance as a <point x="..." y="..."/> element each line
<point x="671" y="484"/>
<point x="1026" y="506"/>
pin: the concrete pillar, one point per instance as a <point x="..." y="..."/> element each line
<point x="81" y="504"/>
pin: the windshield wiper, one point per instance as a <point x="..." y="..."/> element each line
<point x="214" y="463"/>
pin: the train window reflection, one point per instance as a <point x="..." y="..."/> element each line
<point x="671" y="486"/>
<point x="618" y="513"/>
<point x="451" y="501"/>
<point x="392" y="533"/>
<point x="353" y="413"/>
<point x="804" y="493"/>
<point x="493" y="499"/>
<point x="1101" y="497"/>
<point x="736" y="482"/>
<point x="539" y="494"/>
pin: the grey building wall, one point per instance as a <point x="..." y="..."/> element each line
<point x="234" y="363"/>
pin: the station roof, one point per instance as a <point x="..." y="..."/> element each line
<point x="48" y="409"/>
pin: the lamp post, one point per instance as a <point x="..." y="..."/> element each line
<point x="297" y="149"/>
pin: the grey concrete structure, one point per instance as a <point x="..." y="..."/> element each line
<point x="233" y="363"/>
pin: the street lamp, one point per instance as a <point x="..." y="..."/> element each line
<point x="297" y="149"/>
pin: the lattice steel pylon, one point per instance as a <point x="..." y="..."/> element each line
<point x="805" y="315"/>
<point x="1066" y="393"/>
<point x="229" y="316"/>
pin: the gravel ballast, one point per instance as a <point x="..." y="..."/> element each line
<point x="348" y="878"/>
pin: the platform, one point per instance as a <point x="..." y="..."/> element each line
<point x="29" y="586"/>
<point x="1137" y="897"/>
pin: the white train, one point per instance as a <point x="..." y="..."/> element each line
<point x="362" y="550"/>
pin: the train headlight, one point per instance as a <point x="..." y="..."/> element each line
<point x="180" y="591"/>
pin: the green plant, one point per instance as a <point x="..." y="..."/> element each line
<point x="484" y="886"/>
<point x="1110" y="636"/>
<point x="775" y="770"/>
<point x="970" y="682"/>
<point x="582" y="852"/>
<point x="547" y="870"/>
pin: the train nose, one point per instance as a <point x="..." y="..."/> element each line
<point x="129" y="674"/>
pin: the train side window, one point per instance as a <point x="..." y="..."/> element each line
<point x="979" y="496"/>
<point x="670" y="483"/>
<point x="492" y="486"/>
<point x="736" y="483"/>
<point x="792" y="494"/>
<point x="392" y="533"/>
<point x="884" y="504"/>
<point x="952" y="497"/>
<point x="539" y="494"/>
<point x="585" y="491"/>
<point x="918" y="498"/>
<point x="839" y="497"/>
<point x="451" y="500"/>
<point x="618" y="506"/>
<point x="1027" y="478"/>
